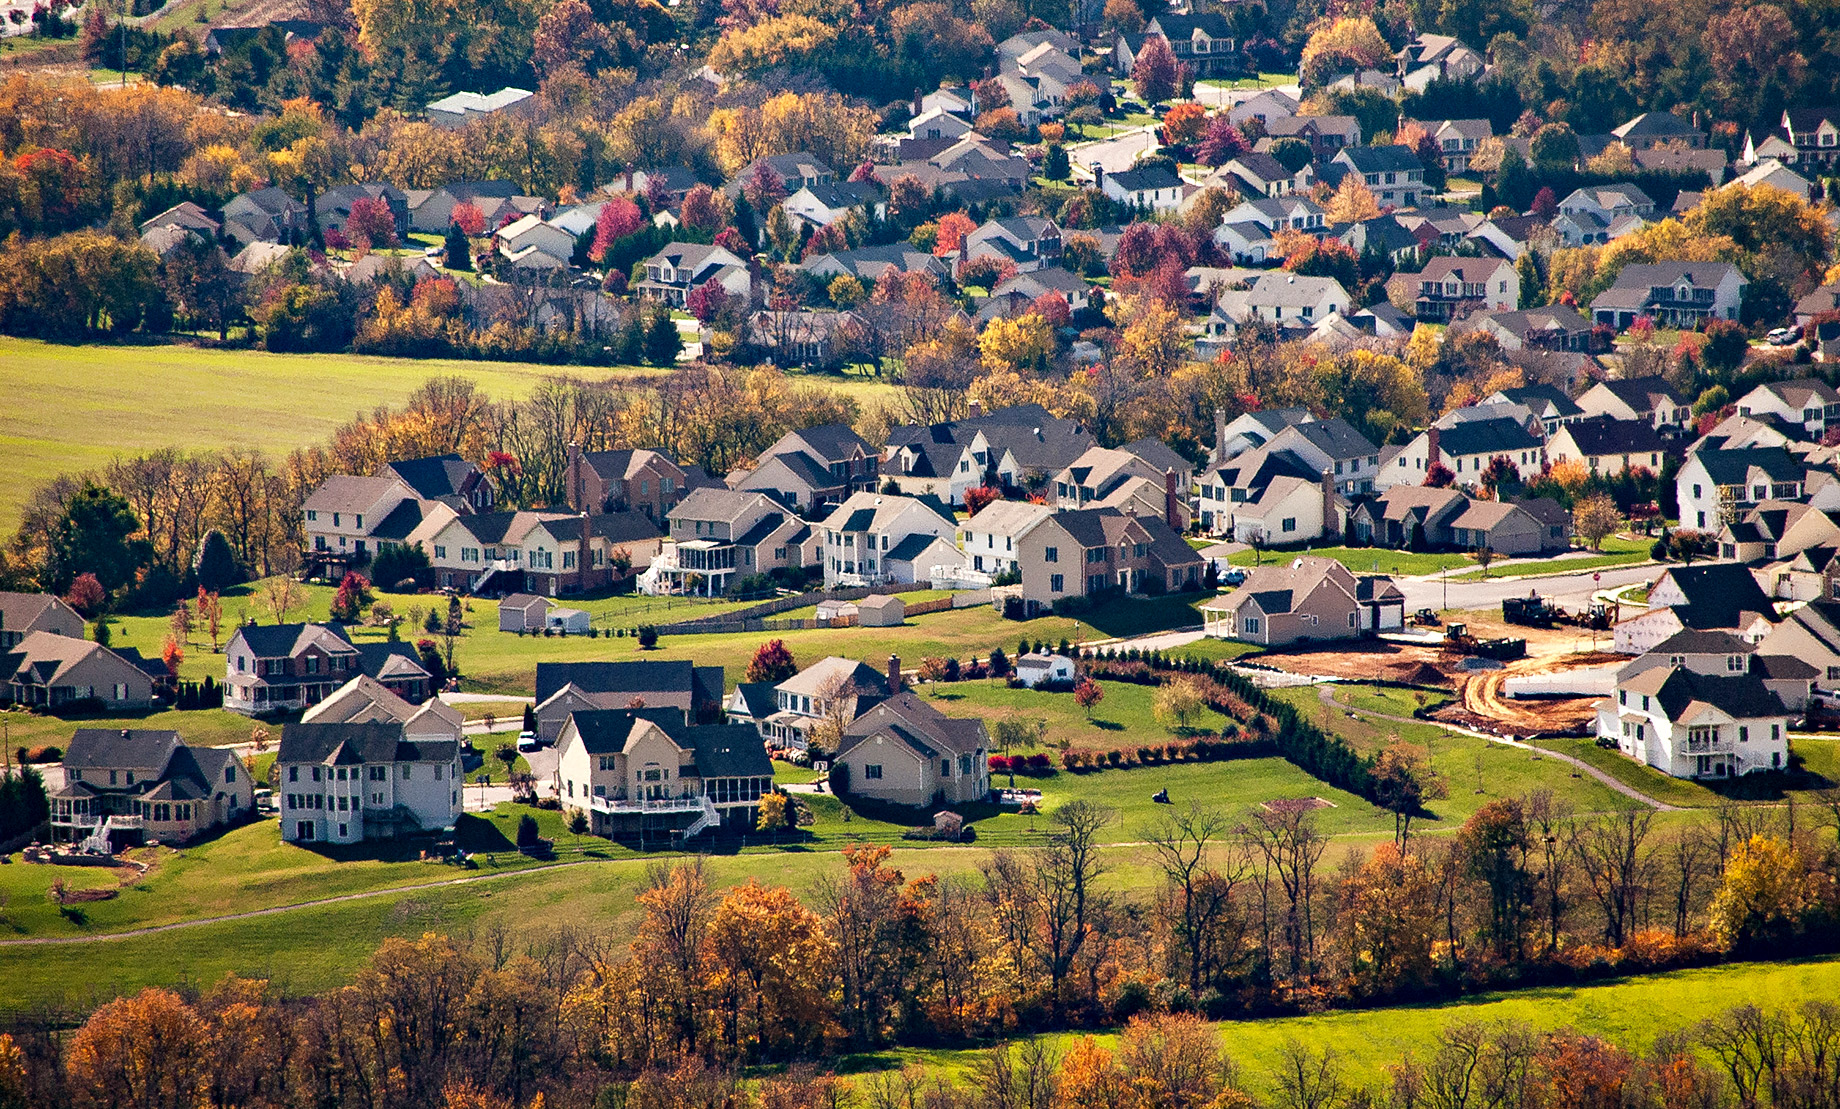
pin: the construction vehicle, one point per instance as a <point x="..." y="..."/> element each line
<point x="1458" y="639"/>
<point x="1425" y="618"/>
<point x="1532" y="611"/>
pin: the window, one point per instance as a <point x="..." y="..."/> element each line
<point x="1057" y="584"/>
<point x="293" y="773"/>
<point x="1744" y="734"/>
<point x="1289" y="523"/>
<point x="945" y="768"/>
<point x="872" y="772"/>
<point x="312" y="515"/>
<point x="1051" y="554"/>
<point x="440" y="551"/>
<point x="230" y="774"/>
<point x="1250" y="625"/>
<point x="405" y="771"/>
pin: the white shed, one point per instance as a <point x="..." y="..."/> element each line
<point x="1038" y="667"/>
<point x="568" y="621"/>
<point x="882" y="611"/>
<point x="837" y="613"/>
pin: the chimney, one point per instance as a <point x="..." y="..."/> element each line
<point x="975" y="410"/>
<point x="916" y="100"/>
<point x="1330" y="527"/>
<point x="894" y="673"/>
<point x="1220" y="433"/>
<point x="1431" y="447"/>
<point x="577" y="495"/>
<point x="1172" y="507"/>
<point x="1098" y="176"/>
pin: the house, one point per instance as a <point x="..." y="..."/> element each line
<point x="870" y="263"/>
<point x="1813" y="138"/>
<point x="1690" y="724"/>
<point x="1673" y="294"/>
<point x="348" y="518"/>
<point x="1102" y="472"/>
<point x="1778" y="530"/>
<point x="1259" y="174"/>
<point x="1419" y="517"/>
<point x="1778" y="176"/>
<point x="678" y="270"/>
<point x="1823" y="301"/>
<point x="938" y="123"/>
<point x="1601" y="213"/>
<point x="1030" y="242"/>
<point x="1712" y="596"/>
<point x="285" y="667"/>
<point x="365" y="700"/>
<point x="1716" y="486"/>
<point x="51" y="670"/>
<point x="644" y="774"/>
<point x="347" y="783"/>
<point x="1450" y="288"/>
<point x="1048" y="281"/>
<point x="694" y="692"/>
<point x="1392" y="173"/>
<point x="463" y="108"/>
<point x="1264" y="106"/>
<point x="1458" y="139"/>
<point x="536" y="552"/>
<point x="1155" y="189"/>
<point x="721" y="536"/>
<point x="826" y="202"/>
<point x="432" y="210"/>
<point x="1203" y="41"/>
<point x="644" y="481"/>
<point x="1658" y="128"/>
<point x="1609" y="447"/>
<point x="1306" y="598"/>
<point x="904" y="751"/>
<point x="1466" y="450"/>
<point x="132" y="785"/>
<point x="812" y="467"/>
<point x="1017" y="447"/>
<point x="1552" y="328"/>
<point x="1044" y="667"/>
<point x="529" y="233"/>
<point x="333" y="207"/>
<point x="832" y="690"/>
<point x="21" y="614"/>
<point x="1093" y="552"/>
<point x="1269" y="496"/>
<point x="1295" y="300"/>
<point x="1547" y="403"/>
<point x="795" y="171"/>
<point x="1810" y="633"/>
<point x="1642" y="398"/>
<point x="881" y="610"/>
<point x="990" y="538"/>
<point x="267" y="215"/>
<point x="867" y="532"/>
<point x="1246" y="230"/>
<point x="1429" y="57"/>
<point x="1807" y="406"/>
<point x="1038" y="81"/>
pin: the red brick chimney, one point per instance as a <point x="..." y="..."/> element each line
<point x="1330" y="527"/>
<point x="1431" y="448"/>
<point x="1172" y="505"/>
<point x="894" y="673"/>
<point x="974" y="411"/>
<point x="576" y="494"/>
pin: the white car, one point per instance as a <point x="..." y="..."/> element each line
<point x="528" y="742"/>
<point x="1784" y="336"/>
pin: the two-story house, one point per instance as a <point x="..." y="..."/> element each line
<point x="549" y="553"/>
<point x="1689" y="724"/>
<point x="350" y="782"/>
<point x="21" y="614"/>
<point x="48" y="669"/>
<point x="678" y="270"/>
<point x="1295" y="300"/>
<point x="366" y="700"/>
<point x="1808" y="405"/>
<point x="721" y="536"/>
<point x="835" y="690"/>
<point x="1651" y="129"/>
<point x="1458" y="139"/>
<point x="1812" y="139"/>
<point x="1092" y="552"/>
<point x="1145" y="474"/>
<point x="1255" y="173"/>
<point x="1641" y="398"/>
<point x="1673" y="294"/>
<point x="1306" y="598"/>
<point x="130" y="785"/>
<point x="873" y="537"/>
<point x="1715" y="487"/>
<point x="812" y="467"/>
<point x="1600" y="213"/>
<point x="285" y="667"/>
<point x="1712" y="596"/>
<point x="644" y="481"/>
<point x="1154" y="189"/>
<point x="1609" y="447"/>
<point x="647" y="775"/>
<point x="694" y="692"/>
<point x="1392" y="173"/>
<point x="990" y="538"/>
<point x="1449" y="288"/>
<point x="1466" y="449"/>
<point x="1028" y="242"/>
<point x="904" y="751"/>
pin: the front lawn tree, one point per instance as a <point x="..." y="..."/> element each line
<point x="1403" y="782"/>
<point x="1087" y="693"/>
<point x="1155" y="74"/>
<point x="772" y="662"/>
<point x="1596" y="518"/>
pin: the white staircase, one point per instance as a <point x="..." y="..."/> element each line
<point x="708" y="818"/>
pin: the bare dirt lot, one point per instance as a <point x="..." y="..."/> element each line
<point x="1482" y="705"/>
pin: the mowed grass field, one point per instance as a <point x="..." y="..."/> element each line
<point x="72" y="408"/>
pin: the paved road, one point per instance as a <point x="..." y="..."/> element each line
<point x="1116" y="153"/>
<point x="1326" y="694"/>
<point x="1566" y="590"/>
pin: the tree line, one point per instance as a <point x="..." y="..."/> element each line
<point x="1246" y="914"/>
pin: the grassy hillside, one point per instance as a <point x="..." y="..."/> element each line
<point x="76" y="407"/>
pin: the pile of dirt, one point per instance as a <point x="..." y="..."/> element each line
<point x="1367" y="661"/>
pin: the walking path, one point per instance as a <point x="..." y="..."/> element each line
<point x="1327" y="695"/>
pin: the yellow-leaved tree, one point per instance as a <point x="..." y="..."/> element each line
<point x="1764" y="894"/>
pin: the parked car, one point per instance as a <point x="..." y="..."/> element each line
<point x="528" y="742"/>
<point x="1784" y="336"/>
<point x="1235" y="575"/>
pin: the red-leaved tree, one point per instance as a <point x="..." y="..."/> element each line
<point x="471" y="221"/>
<point x="619" y="218"/>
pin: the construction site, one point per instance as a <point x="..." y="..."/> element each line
<point x="1515" y="679"/>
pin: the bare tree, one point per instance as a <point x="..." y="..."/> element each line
<point x="1691" y="855"/>
<point x="1618" y="867"/>
<point x="1549" y="822"/>
<point x="1202" y="867"/>
<point x="1308" y="1079"/>
<point x="1047" y="903"/>
<point x="1285" y="839"/>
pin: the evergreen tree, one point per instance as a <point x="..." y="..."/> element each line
<point x="216" y="567"/>
<point x="1056" y="166"/>
<point x="459" y="250"/>
<point x="662" y="342"/>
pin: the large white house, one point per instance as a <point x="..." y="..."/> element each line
<point x="878" y="537"/>
<point x="346" y="783"/>
<point x="644" y="773"/>
<point x="1696" y="725"/>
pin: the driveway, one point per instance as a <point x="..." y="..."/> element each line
<point x="1115" y="154"/>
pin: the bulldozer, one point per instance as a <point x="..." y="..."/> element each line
<point x="1457" y="638"/>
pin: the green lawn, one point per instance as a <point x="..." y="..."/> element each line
<point x="1622" y="1011"/>
<point x="73" y="408"/>
<point x="1617" y="551"/>
<point x="1122" y="719"/>
<point x="1820" y="767"/>
<point x="1365" y="560"/>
